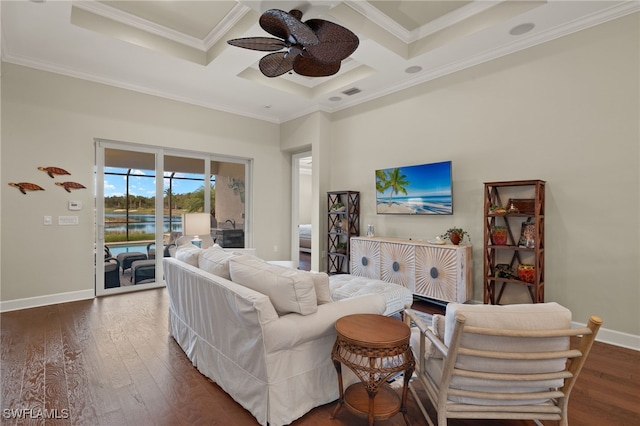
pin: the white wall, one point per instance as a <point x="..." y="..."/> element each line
<point x="305" y="196"/>
<point x="565" y="112"/>
<point x="52" y="120"/>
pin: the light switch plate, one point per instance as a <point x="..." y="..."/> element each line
<point x="48" y="220"/>
<point x="67" y="220"/>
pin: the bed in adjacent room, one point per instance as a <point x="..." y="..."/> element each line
<point x="305" y="238"/>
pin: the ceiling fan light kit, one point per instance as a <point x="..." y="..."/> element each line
<point x="314" y="48"/>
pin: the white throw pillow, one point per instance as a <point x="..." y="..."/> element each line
<point x="215" y="260"/>
<point x="188" y="253"/>
<point x="288" y="289"/>
<point x="321" y="284"/>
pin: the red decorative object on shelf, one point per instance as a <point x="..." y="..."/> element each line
<point x="527" y="273"/>
<point x="499" y="235"/>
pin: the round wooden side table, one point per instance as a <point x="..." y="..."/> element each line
<point x="374" y="347"/>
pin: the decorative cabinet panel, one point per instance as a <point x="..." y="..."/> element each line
<point x="440" y="272"/>
<point x="365" y="258"/>
<point x="444" y="272"/>
<point x="397" y="264"/>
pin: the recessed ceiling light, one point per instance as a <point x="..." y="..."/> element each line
<point x="522" y="29"/>
<point x="414" y="69"/>
<point x="335" y="98"/>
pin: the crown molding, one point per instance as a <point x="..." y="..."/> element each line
<point x="140" y="23"/>
<point x="227" y="23"/>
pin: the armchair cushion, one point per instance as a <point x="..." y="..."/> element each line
<point x="538" y="316"/>
<point x="535" y="316"/>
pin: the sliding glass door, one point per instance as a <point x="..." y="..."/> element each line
<point x="139" y="218"/>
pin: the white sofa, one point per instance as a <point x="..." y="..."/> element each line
<point x="273" y="361"/>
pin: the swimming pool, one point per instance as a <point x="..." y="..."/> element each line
<point x="129" y="247"/>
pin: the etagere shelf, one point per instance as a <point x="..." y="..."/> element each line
<point x="517" y="259"/>
<point x="343" y="222"/>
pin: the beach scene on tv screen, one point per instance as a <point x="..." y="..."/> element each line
<point x="419" y="189"/>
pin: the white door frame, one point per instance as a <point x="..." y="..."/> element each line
<point x="295" y="205"/>
<point x="101" y="145"/>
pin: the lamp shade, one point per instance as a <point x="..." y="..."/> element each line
<point x="196" y="224"/>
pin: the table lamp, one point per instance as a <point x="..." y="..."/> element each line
<point x="196" y="224"/>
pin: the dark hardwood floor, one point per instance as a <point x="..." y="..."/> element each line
<point x="111" y="361"/>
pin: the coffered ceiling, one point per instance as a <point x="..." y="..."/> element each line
<point x="178" y="49"/>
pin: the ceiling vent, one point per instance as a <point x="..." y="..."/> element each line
<point x="352" y="91"/>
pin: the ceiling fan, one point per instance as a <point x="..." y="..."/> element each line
<point x="314" y="48"/>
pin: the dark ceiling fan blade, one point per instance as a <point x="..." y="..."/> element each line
<point x="275" y="64"/>
<point x="286" y="26"/>
<point x="265" y="44"/>
<point x="311" y="67"/>
<point x="336" y="42"/>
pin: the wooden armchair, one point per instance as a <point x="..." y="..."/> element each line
<point x="500" y="362"/>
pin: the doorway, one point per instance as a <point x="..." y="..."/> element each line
<point x="302" y="205"/>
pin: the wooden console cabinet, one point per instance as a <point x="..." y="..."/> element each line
<point x="439" y="272"/>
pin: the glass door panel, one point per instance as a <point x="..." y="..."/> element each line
<point x="127" y="220"/>
<point x="229" y="208"/>
<point x="184" y="192"/>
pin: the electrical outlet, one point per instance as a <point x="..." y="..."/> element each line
<point x="275" y="249"/>
<point x="48" y="220"/>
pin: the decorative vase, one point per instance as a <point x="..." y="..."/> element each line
<point x="455" y="238"/>
<point x="499" y="236"/>
<point x="527" y="272"/>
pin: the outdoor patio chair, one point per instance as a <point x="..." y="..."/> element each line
<point x="151" y="251"/>
<point x="111" y="272"/>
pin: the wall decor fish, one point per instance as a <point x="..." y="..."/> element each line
<point x="26" y="186"/>
<point x="51" y="171"/>
<point x="68" y="186"/>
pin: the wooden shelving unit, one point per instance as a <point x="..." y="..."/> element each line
<point x="342" y="224"/>
<point x="524" y="204"/>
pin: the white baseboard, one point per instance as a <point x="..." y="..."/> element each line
<point x="617" y="338"/>
<point x="51" y="299"/>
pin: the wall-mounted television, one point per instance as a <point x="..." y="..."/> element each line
<point x="423" y="189"/>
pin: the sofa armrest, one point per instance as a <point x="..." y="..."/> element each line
<point x="294" y="329"/>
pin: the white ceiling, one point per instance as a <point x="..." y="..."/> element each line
<point x="178" y="49"/>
